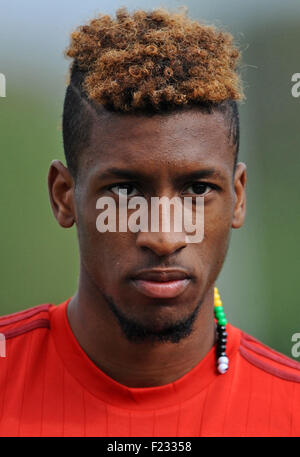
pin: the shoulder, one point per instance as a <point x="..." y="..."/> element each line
<point x="26" y="349"/>
<point x="267" y="360"/>
<point x="26" y="321"/>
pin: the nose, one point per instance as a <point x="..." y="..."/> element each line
<point x="161" y="243"/>
<point x="164" y="233"/>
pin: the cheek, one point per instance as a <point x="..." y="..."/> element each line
<point x="218" y="217"/>
<point x="217" y="228"/>
<point x="109" y="249"/>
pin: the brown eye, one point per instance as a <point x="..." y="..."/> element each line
<point x="199" y="188"/>
<point x="125" y="189"/>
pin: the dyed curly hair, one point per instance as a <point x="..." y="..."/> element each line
<point x="150" y="62"/>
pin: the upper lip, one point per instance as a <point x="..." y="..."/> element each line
<point x="161" y="275"/>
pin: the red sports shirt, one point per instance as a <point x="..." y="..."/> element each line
<point x="50" y="387"/>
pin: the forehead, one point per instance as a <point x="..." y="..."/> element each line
<point x="161" y="143"/>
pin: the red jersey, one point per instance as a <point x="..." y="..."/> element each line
<point x="50" y="387"/>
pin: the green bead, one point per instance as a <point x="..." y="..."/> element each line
<point x="222" y="321"/>
<point x="220" y="314"/>
<point x="219" y="310"/>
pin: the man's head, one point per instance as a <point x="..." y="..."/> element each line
<point x="155" y="114"/>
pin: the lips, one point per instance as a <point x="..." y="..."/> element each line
<point x="161" y="283"/>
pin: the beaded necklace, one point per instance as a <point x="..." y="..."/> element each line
<point x="222" y="359"/>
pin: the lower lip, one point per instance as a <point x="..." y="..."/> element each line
<point x="168" y="289"/>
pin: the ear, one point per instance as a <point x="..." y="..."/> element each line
<point x="240" y="179"/>
<point x="61" y="192"/>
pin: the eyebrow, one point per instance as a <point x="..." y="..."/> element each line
<point x="204" y="173"/>
<point x="134" y="175"/>
<point x="121" y="173"/>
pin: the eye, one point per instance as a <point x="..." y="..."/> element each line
<point x="125" y="189"/>
<point x="199" y="188"/>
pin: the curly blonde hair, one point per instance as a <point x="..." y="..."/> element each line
<point x="148" y="61"/>
<point x="153" y="58"/>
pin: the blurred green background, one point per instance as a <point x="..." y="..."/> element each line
<point x="39" y="260"/>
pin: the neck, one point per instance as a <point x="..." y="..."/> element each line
<point x="145" y="364"/>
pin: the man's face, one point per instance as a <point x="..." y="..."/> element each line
<point x="158" y="156"/>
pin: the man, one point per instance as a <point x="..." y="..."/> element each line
<point x="150" y="111"/>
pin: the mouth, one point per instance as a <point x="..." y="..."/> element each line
<point x="161" y="283"/>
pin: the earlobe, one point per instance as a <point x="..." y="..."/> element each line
<point x="61" y="193"/>
<point x="239" y="210"/>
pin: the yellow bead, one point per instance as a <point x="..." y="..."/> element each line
<point x="217" y="298"/>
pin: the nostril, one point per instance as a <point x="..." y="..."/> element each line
<point x="162" y="244"/>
